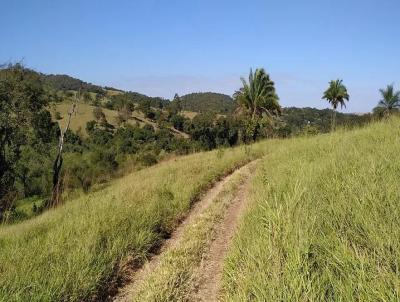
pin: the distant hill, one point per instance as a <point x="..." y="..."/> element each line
<point x="139" y="98"/>
<point x="65" y="82"/>
<point x="208" y="102"/>
<point x="194" y="102"/>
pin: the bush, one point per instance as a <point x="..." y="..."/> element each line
<point x="148" y="158"/>
<point x="58" y="116"/>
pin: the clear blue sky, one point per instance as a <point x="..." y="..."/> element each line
<point x="162" y="47"/>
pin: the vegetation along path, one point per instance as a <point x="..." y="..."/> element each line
<point x="189" y="264"/>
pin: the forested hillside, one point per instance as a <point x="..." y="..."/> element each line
<point x="208" y="102"/>
<point x="312" y="120"/>
<point x="65" y="82"/>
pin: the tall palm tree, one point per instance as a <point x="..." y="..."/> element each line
<point x="390" y="100"/>
<point x="336" y="94"/>
<point x="258" y="95"/>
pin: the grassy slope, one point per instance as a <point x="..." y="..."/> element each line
<point x="84" y="114"/>
<point x="324" y="222"/>
<point x="69" y="252"/>
<point x="189" y="114"/>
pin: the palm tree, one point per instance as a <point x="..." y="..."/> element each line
<point x="258" y="95"/>
<point x="390" y="100"/>
<point x="336" y="94"/>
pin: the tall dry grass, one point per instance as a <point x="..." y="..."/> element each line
<point x="324" y="221"/>
<point x="70" y="253"/>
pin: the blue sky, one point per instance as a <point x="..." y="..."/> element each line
<point x="163" y="47"/>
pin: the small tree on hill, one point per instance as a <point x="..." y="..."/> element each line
<point x="144" y="107"/>
<point x="124" y="114"/>
<point x="58" y="116"/>
<point x="336" y="95"/>
<point x="98" y="113"/>
<point x="87" y="97"/>
<point x="177" y="103"/>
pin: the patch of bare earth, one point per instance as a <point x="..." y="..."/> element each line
<point x="210" y="271"/>
<point x="209" y="275"/>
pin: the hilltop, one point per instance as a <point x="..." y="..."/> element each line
<point x="201" y="102"/>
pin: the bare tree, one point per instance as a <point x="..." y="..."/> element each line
<point x="57" y="190"/>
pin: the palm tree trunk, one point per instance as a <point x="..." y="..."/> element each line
<point x="253" y="116"/>
<point x="333" y="119"/>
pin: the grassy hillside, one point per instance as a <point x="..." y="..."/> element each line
<point x="322" y="224"/>
<point x="84" y="114"/>
<point x="68" y="253"/>
<point x="324" y="221"/>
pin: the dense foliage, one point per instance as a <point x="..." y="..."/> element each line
<point x="208" y="102"/>
<point x="65" y="82"/>
<point x="297" y="120"/>
<point x="27" y="136"/>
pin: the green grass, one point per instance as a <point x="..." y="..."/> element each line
<point x="69" y="253"/>
<point x="25" y="205"/>
<point x="323" y="222"/>
<point x="24" y="209"/>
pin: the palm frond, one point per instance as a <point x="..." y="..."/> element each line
<point x="258" y="93"/>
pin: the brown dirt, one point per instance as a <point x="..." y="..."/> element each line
<point x="210" y="271"/>
<point x="213" y="264"/>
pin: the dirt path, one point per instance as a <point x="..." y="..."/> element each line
<point x="211" y="269"/>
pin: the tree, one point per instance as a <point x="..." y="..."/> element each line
<point x="178" y="121"/>
<point x="258" y="95"/>
<point x="336" y="95"/>
<point x="145" y="107"/>
<point x="22" y="107"/>
<point x="124" y="114"/>
<point x="87" y="97"/>
<point x="98" y="113"/>
<point x="57" y="115"/>
<point x="175" y="106"/>
<point x="55" y="197"/>
<point x="390" y="101"/>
